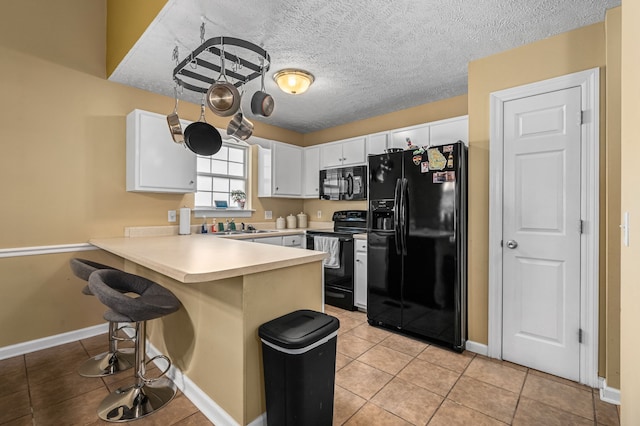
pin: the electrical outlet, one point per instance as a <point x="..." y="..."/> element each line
<point x="171" y="215"/>
<point x="319" y="214"/>
<point x="268" y="214"/>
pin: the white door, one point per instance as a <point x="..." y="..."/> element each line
<point x="541" y="232"/>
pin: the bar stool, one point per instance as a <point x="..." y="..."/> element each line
<point x="146" y="395"/>
<point x="114" y="360"/>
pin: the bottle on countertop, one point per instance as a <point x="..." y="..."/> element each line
<point x="214" y="226"/>
<point x="203" y="228"/>
<point x="232" y="225"/>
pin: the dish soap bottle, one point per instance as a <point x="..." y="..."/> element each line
<point x="203" y="228"/>
<point x="214" y="226"/>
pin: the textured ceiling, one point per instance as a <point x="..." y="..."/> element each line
<point x="369" y="57"/>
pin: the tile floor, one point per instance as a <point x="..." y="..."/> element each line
<point x="382" y="378"/>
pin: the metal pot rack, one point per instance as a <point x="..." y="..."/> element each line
<point x="200" y="69"/>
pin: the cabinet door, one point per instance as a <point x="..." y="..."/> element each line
<point x="276" y="241"/>
<point x="354" y="151"/>
<point x="287" y="170"/>
<point x="311" y="172"/>
<point x="154" y="162"/>
<point x="330" y="155"/>
<point x="360" y="280"/>
<point x="418" y="135"/>
<point x="292" y="240"/>
<point x="449" y="131"/>
<point x="377" y="143"/>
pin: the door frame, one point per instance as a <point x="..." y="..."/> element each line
<point x="589" y="83"/>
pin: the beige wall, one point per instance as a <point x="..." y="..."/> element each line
<point x="566" y="53"/>
<point x="630" y="178"/>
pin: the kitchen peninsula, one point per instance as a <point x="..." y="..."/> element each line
<point x="227" y="288"/>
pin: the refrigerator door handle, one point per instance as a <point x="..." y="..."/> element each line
<point x="403" y="213"/>
<point x="396" y="217"/>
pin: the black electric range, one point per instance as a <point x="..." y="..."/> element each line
<point x="338" y="280"/>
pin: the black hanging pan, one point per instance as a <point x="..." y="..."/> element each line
<point x="201" y="137"/>
<point x="262" y="102"/>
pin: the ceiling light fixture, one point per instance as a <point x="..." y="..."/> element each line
<point x="293" y="81"/>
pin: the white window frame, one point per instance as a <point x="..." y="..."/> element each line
<point x="204" y="211"/>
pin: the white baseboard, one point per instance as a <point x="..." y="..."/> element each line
<point x="607" y="394"/>
<point x="476" y="347"/>
<point x="51" y="341"/>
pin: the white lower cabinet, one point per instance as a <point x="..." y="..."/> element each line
<point x="286" y="240"/>
<point x="276" y="241"/>
<point x="292" y="241"/>
<point x="360" y="273"/>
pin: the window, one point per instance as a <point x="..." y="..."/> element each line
<point x="220" y="174"/>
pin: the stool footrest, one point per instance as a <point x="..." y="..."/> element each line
<point x="152" y="380"/>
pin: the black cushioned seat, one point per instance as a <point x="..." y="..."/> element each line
<point x="116" y="290"/>
<point x="153" y="301"/>
<point x="83" y="268"/>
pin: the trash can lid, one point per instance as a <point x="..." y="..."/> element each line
<point x="298" y="329"/>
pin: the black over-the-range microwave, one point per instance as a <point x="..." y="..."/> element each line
<point x="344" y="183"/>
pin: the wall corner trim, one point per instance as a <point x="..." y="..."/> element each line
<point x="608" y="394"/>
<point x="478" y="348"/>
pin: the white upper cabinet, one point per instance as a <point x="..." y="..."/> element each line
<point x="154" y="162"/>
<point x="418" y="135"/>
<point x="280" y="171"/>
<point x="377" y="143"/>
<point x="448" y="131"/>
<point x="343" y="153"/>
<point x="311" y="172"/>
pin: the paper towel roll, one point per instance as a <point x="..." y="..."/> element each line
<point x="185" y="221"/>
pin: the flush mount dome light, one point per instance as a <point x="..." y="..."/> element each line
<point x="293" y="81"/>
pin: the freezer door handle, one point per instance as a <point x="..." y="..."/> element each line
<point x="404" y="195"/>
<point x="396" y="217"/>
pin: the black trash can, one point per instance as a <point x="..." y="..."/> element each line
<point x="299" y="360"/>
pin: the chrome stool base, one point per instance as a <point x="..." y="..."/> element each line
<point x="136" y="401"/>
<point x="108" y="363"/>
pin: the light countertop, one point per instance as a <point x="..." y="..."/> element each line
<point x="202" y="257"/>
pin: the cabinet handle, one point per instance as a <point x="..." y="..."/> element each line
<point x="190" y="182"/>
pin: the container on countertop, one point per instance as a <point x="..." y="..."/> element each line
<point x="291" y="222"/>
<point x="302" y="220"/>
<point x="280" y="223"/>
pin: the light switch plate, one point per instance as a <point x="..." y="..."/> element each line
<point x="171" y="215"/>
<point x="268" y="214"/>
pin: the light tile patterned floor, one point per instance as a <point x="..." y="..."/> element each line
<point x="382" y="378"/>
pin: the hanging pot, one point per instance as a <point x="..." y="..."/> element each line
<point x="201" y="137"/>
<point x="223" y="97"/>
<point x="262" y="103"/>
<point x="239" y="127"/>
<point x="174" y="121"/>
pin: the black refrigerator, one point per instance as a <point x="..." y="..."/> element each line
<point x="417" y="243"/>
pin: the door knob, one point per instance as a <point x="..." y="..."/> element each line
<point x="512" y="244"/>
